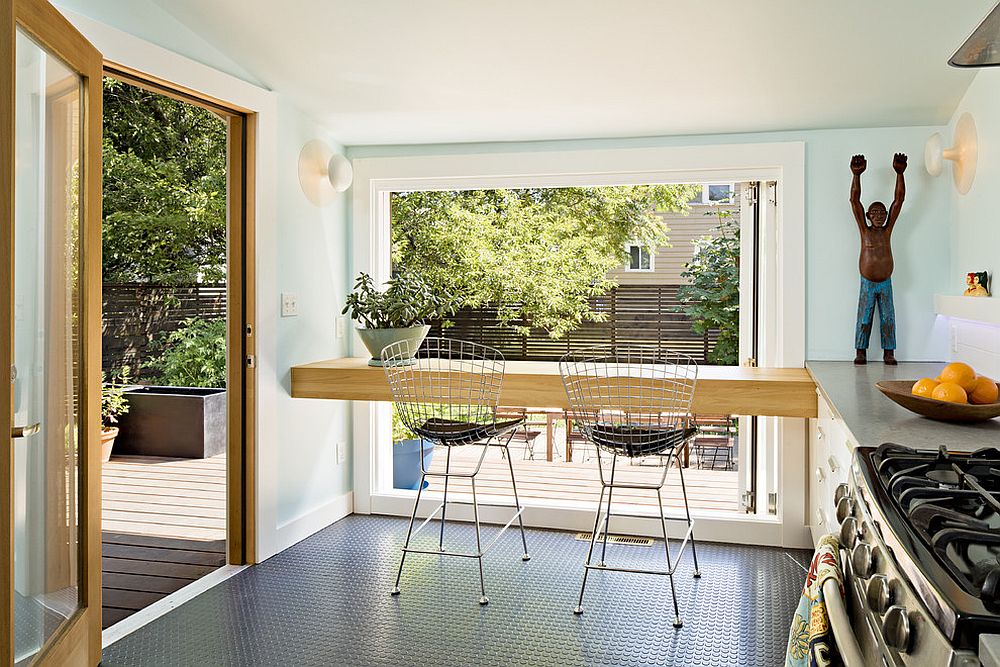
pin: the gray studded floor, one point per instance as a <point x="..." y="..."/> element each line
<point x="326" y="601"/>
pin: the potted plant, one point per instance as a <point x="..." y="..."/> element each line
<point x="406" y="454"/>
<point x="113" y="405"/>
<point x="399" y="313"/>
<point x="184" y="415"/>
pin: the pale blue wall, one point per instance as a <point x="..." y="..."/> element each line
<point x="976" y="215"/>
<point x="146" y="19"/>
<point x="921" y="239"/>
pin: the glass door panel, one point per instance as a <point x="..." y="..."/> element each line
<point x="46" y="336"/>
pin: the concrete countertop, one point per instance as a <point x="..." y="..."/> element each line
<point x="873" y="419"/>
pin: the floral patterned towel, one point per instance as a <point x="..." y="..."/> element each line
<point x="810" y="641"/>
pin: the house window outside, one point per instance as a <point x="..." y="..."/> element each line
<point x="639" y="258"/>
<point x="714" y="193"/>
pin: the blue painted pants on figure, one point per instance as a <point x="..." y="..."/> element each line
<point x="872" y="295"/>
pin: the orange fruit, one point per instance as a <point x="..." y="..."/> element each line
<point x="984" y="392"/>
<point x="950" y="392"/>
<point x="960" y="374"/>
<point x="924" y="387"/>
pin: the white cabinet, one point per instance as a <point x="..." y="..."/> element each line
<point x="831" y="447"/>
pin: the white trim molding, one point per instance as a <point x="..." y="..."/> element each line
<point x="782" y="163"/>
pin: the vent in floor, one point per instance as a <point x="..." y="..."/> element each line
<point x="621" y="539"/>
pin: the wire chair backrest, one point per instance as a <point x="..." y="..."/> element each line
<point x="450" y="383"/>
<point x="627" y="400"/>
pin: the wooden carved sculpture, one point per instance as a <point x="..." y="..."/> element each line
<point x="875" y="263"/>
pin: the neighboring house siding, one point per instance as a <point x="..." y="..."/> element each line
<point x="669" y="261"/>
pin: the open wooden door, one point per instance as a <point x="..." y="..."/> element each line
<point x="50" y="331"/>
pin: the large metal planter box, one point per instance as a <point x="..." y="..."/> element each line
<point x="184" y="422"/>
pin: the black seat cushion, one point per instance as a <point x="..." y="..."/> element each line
<point x="455" y="432"/>
<point x="639" y="440"/>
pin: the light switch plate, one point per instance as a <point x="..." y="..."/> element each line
<point x="341" y="452"/>
<point x="289" y="304"/>
<point x="341" y="326"/>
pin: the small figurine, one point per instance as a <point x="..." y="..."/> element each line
<point x="978" y="284"/>
<point x="875" y="263"/>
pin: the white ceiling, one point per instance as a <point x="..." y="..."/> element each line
<point x="398" y="71"/>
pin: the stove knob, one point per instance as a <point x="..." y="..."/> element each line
<point x="848" y="532"/>
<point x="878" y="593"/>
<point x="896" y="629"/>
<point x="842" y="491"/>
<point x="845" y="508"/>
<point x="862" y="560"/>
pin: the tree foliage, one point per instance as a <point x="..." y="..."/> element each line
<point x="712" y="298"/>
<point x="537" y="255"/>
<point x="164" y="189"/>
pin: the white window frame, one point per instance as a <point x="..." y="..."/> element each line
<point x="642" y="249"/>
<point x="784" y="163"/>
<point x="705" y="201"/>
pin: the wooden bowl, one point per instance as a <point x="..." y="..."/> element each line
<point x="899" y="392"/>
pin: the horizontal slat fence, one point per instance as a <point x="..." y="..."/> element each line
<point x="637" y="315"/>
<point x="135" y="314"/>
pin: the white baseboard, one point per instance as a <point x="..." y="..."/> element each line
<point x="300" y="528"/>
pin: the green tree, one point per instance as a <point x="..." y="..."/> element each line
<point x="712" y="298"/>
<point x="164" y="189"/>
<point x="537" y="255"/>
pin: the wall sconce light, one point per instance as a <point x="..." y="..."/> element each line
<point x="963" y="154"/>
<point x="323" y="173"/>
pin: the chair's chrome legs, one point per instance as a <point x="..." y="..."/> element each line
<point x="479" y="544"/>
<point x="409" y="533"/>
<point x="517" y="504"/>
<point x="444" y="503"/>
<point x="670" y="567"/>
<point x="687" y="510"/>
<point x="607" y="517"/>
<point x="590" y="553"/>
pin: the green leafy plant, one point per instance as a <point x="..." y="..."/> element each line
<point x="399" y="430"/>
<point x="193" y="355"/>
<point x="113" y="401"/>
<point x="408" y="300"/>
<point x="712" y="298"/>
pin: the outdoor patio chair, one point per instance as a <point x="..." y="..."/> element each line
<point x="522" y="433"/>
<point x="631" y="403"/>
<point x="449" y="396"/>
<point x="713" y="444"/>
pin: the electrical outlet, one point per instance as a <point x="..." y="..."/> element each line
<point x="341" y="326"/>
<point x="341" y="452"/>
<point x="954" y="338"/>
<point x="289" y="305"/>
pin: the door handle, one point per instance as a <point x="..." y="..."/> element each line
<point x="25" y="431"/>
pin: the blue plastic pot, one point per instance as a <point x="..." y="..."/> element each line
<point x="406" y="463"/>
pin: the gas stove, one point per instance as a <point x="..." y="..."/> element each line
<point x="923" y="531"/>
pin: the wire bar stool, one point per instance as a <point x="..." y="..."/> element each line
<point x="449" y="396"/>
<point x="633" y="402"/>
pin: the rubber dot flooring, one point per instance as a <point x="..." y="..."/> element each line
<point x="325" y="601"/>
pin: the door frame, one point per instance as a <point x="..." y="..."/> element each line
<point x="240" y="304"/>
<point x="78" y="641"/>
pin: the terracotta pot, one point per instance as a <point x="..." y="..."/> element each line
<point x="108" y="436"/>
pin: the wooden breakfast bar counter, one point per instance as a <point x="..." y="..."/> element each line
<point x="734" y="390"/>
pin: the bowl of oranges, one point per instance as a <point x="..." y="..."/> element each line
<point x="958" y="394"/>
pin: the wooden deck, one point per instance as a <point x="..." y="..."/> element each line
<point x="164" y="526"/>
<point x="580" y="481"/>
